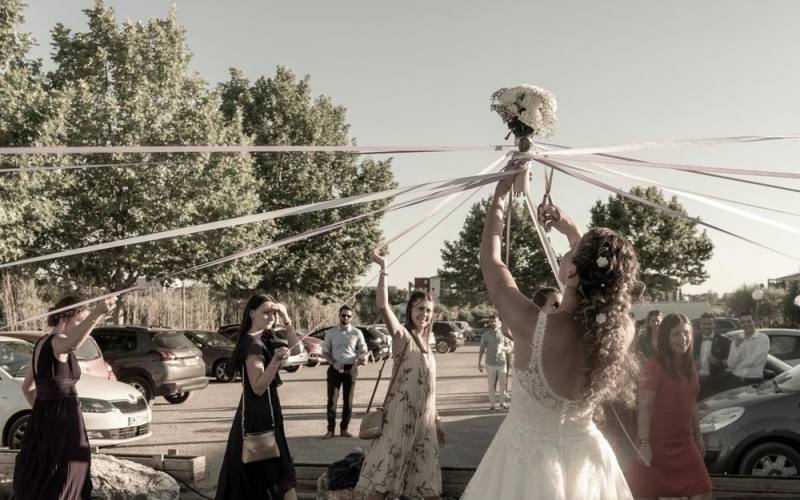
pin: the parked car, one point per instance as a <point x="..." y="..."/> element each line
<point x="156" y="361"/>
<point x="217" y="351"/>
<point x="448" y="336"/>
<point x="755" y="430"/>
<point x="386" y="334"/>
<point x="290" y="364"/>
<point x="466" y="330"/>
<point x="478" y="329"/>
<point x="784" y="343"/>
<point x="377" y="343"/>
<point x="722" y="325"/>
<point x="314" y="348"/>
<point x="90" y="358"/>
<point x="113" y="412"/>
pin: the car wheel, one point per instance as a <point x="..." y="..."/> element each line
<point x="140" y="385"/>
<point x="219" y="371"/>
<point x="770" y="459"/>
<point x="292" y="369"/>
<point x="442" y="346"/>
<point x="179" y="398"/>
<point x="16" y="431"/>
<point x="454" y="349"/>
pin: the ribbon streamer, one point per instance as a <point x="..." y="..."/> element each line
<point x="248" y="219"/>
<point x="561" y="167"/>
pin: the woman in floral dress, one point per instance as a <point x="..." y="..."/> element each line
<point x="404" y="460"/>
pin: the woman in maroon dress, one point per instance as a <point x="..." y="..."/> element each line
<point x="54" y="460"/>
<point x="669" y="461"/>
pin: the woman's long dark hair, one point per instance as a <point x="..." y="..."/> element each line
<point x="609" y="272"/>
<point x="664" y="355"/>
<point x="237" y="358"/>
<point x="416" y="297"/>
<point x="649" y="334"/>
<point x="54" y="319"/>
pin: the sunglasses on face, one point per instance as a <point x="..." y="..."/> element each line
<point x="345" y="315"/>
<point x="556" y="304"/>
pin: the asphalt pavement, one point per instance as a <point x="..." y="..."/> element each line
<point x="201" y="425"/>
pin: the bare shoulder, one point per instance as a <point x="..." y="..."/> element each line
<point x="522" y="320"/>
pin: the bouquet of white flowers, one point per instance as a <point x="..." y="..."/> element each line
<point x="527" y="110"/>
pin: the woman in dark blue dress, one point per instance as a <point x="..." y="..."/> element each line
<point x="54" y="460"/>
<point x="258" y="358"/>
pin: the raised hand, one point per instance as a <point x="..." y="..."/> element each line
<point x="106" y="305"/>
<point x="377" y="258"/>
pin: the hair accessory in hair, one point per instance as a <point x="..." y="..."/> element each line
<point x="600" y="318"/>
<point x="602" y="262"/>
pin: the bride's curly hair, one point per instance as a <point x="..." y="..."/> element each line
<point x="608" y="268"/>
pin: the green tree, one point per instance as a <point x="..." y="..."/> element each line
<point x="460" y="258"/>
<point x="281" y="111"/>
<point x="791" y="311"/>
<point x="130" y="85"/>
<point x="770" y="308"/>
<point x="29" y="116"/>
<point x="671" y="251"/>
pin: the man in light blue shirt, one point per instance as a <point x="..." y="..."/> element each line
<point x="344" y="350"/>
<point x="496" y="346"/>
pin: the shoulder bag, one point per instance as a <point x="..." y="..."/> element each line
<point x="258" y="446"/>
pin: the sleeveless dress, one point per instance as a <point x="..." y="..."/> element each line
<point x="267" y="479"/>
<point x="404" y="460"/>
<point x="677" y="468"/>
<point x="54" y="460"/>
<point x="548" y="447"/>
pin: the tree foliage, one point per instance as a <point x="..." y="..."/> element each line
<point x="791" y="311"/>
<point x="528" y="261"/>
<point x="130" y="85"/>
<point x="281" y="111"/>
<point x="671" y="251"/>
<point x="770" y="308"/>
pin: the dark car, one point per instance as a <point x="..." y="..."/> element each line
<point x="755" y="430"/>
<point x="216" y="350"/>
<point x="479" y="328"/>
<point x="448" y="336"/>
<point x="290" y="364"/>
<point x="378" y="343"/>
<point x="156" y="361"/>
<point x="721" y="325"/>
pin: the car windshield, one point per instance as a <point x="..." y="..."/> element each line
<point x="789" y="380"/>
<point x="88" y="351"/>
<point x="15" y="357"/>
<point x="171" y="340"/>
<point x="213" y="339"/>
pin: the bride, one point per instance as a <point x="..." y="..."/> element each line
<point x="567" y="364"/>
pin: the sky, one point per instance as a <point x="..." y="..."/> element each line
<point x="421" y="73"/>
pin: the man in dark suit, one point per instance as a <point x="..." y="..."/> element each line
<point x="711" y="355"/>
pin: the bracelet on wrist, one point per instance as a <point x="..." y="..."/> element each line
<point x="644" y="441"/>
<point x="384" y="273"/>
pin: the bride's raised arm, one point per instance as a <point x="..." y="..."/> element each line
<point x="382" y="297"/>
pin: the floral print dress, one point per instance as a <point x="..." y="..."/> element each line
<point x="404" y="460"/>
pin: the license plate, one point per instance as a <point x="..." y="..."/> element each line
<point x="189" y="361"/>
<point x="138" y="420"/>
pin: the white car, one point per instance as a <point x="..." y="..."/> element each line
<point x="114" y="413"/>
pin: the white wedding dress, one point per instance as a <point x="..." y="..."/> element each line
<point x="547" y="448"/>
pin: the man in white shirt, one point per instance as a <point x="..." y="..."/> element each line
<point x="748" y="354"/>
<point x="344" y="350"/>
<point x="711" y="352"/>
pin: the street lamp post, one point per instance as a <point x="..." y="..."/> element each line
<point x="758" y="295"/>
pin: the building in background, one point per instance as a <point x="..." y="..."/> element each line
<point x="433" y="285"/>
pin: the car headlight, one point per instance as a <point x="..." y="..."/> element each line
<point x="719" y="419"/>
<point x="96" y="406"/>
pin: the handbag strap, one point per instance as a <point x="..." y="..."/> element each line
<point x="244" y="396"/>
